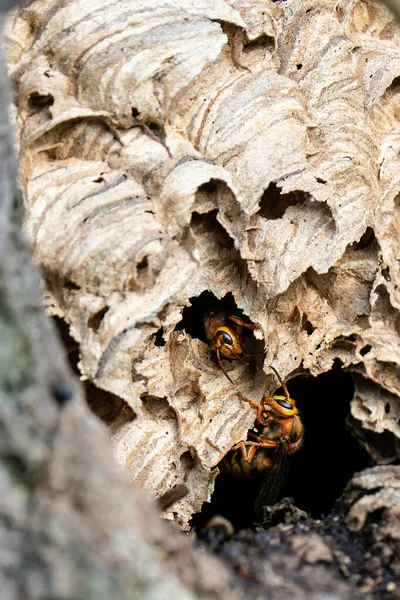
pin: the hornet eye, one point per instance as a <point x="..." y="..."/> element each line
<point x="285" y="404"/>
<point x="226" y="338"/>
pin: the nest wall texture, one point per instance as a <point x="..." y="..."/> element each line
<point x="244" y="147"/>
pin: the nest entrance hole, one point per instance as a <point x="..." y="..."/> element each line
<point x="274" y="203"/>
<point x="193" y="318"/>
<point x="322" y="467"/>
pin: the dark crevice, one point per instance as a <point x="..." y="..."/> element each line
<point x="321" y="468"/>
<point x="367" y="240"/>
<point x="262" y="42"/>
<point x="306" y="325"/>
<point x="274" y="204"/>
<point x="386" y="273"/>
<point x="365" y="350"/>
<point x="209" y="188"/>
<point x="392" y="89"/>
<point x="153" y="130"/>
<point x="143" y="264"/>
<point x="158" y="408"/>
<point x="383" y="447"/>
<point x="70" y="345"/>
<point x="103" y="404"/>
<point x="187" y="461"/>
<point x="208" y="223"/>
<point x="159" y="338"/>
<point x="107" y="406"/>
<point x="156" y="129"/>
<point x="37" y="100"/>
<point x="344" y="343"/>
<point x="135" y="112"/>
<point x="210" y="192"/>
<point x="96" y="320"/>
<point x="193" y="316"/>
<point x="16" y="469"/>
<point x="70" y="285"/>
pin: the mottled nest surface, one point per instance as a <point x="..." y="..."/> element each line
<point x="176" y="153"/>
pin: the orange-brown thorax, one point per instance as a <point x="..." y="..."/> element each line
<point x="277" y="425"/>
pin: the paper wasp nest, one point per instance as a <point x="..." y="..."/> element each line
<point x="243" y="147"/>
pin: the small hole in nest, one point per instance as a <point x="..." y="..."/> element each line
<point x="274" y="204"/>
<point x="367" y="240"/>
<point x="142" y="265"/>
<point x="299" y="66"/>
<point x="159" y="338"/>
<point x="261" y="43"/>
<point x="365" y="350"/>
<point x="187" y="461"/>
<point x="158" y="408"/>
<point x="135" y="112"/>
<point x="307" y="325"/>
<point x="386" y="273"/>
<point x="70" y="285"/>
<point x="387" y="408"/>
<point x="193" y="316"/>
<point x="37" y="100"/>
<point x="96" y="320"/>
<point x="156" y="129"/>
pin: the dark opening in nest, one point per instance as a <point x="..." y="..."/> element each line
<point x="319" y="471"/>
<point x="193" y="316"/>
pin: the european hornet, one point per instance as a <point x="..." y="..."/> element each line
<point x="276" y="435"/>
<point x="224" y="332"/>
